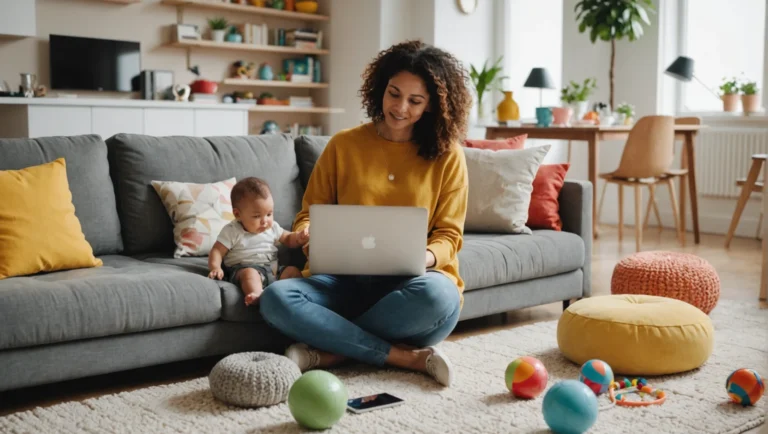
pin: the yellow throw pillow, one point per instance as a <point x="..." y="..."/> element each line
<point x="38" y="227"/>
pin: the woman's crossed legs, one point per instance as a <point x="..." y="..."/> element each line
<point x="376" y="320"/>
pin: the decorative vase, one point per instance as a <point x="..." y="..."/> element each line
<point x="507" y="110"/>
<point x="218" y="35"/>
<point x="628" y="120"/>
<point x="265" y="72"/>
<point x="580" y="108"/>
<point x="730" y="101"/>
<point x="482" y="112"/>
<point x="750" y="103"/>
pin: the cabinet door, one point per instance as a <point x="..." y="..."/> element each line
<point x="169" y="122"/>
<point x="46" y="121"/>
<point x="108" y="121"/>
<point x="17" y="18"/>
<point x="220" y="123"/>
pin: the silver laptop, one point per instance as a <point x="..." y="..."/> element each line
<point x="367" y="240"/>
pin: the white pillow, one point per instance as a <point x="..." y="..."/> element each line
<point x="500" y="186"/>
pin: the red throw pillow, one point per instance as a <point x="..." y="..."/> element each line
<point x="517" y="142"/>
<point x="544" y="210"/>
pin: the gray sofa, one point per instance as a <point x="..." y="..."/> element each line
<point x="143" y="307"/>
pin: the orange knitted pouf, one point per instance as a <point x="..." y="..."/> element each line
<point x="681" y="276"/>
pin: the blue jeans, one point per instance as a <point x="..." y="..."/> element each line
<point x="361" y="317"/>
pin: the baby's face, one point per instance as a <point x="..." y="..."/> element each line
<point x="255" y="213"/>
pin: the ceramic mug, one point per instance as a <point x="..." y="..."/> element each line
<point x="561" y="115"/>
<point x="544" y="116"/>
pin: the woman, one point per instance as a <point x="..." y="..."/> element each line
<point x="408" y="155"/>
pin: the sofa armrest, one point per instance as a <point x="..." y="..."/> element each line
<point x="576" y="213"/>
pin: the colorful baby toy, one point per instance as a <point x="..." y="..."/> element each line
<point x="570" y="407"/>
<point x="619" y="390"/>
<point x="597" y="375"/>
<point x="745" y="386"/>
<point x="526" y="377"/>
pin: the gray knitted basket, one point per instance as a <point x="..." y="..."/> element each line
<point x="253" y="379"/>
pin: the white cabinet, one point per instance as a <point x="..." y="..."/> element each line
<point x="46" y="121"/>
<point x="108" y="121"/>
<point x="220" y="123"/>
<point x="43" y="117"/>
<point x="17" y="18"/>
<point x="169" y="122"/>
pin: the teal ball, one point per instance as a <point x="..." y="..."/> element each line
<point x="570" y="407"/>
<point x="318" y="399"/>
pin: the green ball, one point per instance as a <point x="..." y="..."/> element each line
<point x="318" y="399"/>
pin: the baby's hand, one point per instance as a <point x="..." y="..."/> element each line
<point x="216" y="273"/>
<point x="252" y="298"/>
<point x="303" y="236"/>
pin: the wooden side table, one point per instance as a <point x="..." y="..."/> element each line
<point x="764" y="274"/>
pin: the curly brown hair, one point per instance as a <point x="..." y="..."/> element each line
<point x="249" y="187"/>
<point x="447" y="83"/>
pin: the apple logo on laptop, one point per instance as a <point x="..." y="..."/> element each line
<point x="369" y="242"/>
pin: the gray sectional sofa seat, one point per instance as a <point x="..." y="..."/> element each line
<point x="143" y="307"/>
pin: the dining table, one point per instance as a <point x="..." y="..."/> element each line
<point x="593" y="135"/>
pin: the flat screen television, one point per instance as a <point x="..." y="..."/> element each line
<point x="94" y="64"/>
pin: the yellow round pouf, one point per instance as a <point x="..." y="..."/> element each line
<point x="636" y="334"/>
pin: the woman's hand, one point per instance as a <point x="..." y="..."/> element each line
<point x="430" y="259"/>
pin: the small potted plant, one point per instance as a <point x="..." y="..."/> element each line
<point x="626" y="113"/>
<point x="730" y="94"/>
<point x="750" y="100"/>
<point x="218" y="28"/>
<point x="577" y="95"/>
<point x="485" y="80"/>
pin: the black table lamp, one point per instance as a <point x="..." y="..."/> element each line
<point x="539" y="77"/>
<point x="682" y="69"/>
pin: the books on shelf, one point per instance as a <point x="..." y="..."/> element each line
<point x="301" y="101"/>
<point x="208" y="98"/>
<point x="304" y="38"/>
<point x="261" y="34"/>
<point x="256" y="34"/>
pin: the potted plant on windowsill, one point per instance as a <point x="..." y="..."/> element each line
<point x="218" y="28"/>
<point x="750" y="100"/>
<point x="730" y="96"/>
<point x="577" y="96"/>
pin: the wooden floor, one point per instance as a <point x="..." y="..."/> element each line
<point x="738" y="268"/>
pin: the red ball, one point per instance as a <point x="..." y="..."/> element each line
<point x="526" y="377"/>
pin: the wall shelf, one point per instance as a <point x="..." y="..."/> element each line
<point x="272" y="83"/>
<point x="248" y="9"/>
<point x="122" y="2"/>
<point x="245" y="47"/>
<point x="289" y="109"/>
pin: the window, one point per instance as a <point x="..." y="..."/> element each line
<point x="725" y="39"/>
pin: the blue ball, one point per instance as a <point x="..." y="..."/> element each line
<point x="570" y="407"/>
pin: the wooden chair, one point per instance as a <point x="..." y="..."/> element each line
<point x="646" y="161"/>
<point x="672" y="173"/>
<point x="748" y="186"/>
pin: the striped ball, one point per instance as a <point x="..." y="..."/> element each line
<point x="526" y="377"/>
<point x="745" y="386"/>
<point x="597" y="375"/>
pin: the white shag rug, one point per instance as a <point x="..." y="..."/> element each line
<point x="477" y="403"/>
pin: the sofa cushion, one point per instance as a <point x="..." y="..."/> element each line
<point x="308" y="150"/>
<point x="123" y="296"/>
<point x="88" y="177"/>
<point x="489" y="259"/>
<point x="137" y="160"/>
<point x="233" y="306"/>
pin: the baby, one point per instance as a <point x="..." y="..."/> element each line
<point x="248" y="244"/>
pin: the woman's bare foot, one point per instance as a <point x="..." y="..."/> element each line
<point x="307" y="358"/>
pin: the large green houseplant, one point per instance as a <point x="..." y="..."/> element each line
<point x="611" y="20"/>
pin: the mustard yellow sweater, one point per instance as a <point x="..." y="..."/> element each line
<point x="354" y="169"/>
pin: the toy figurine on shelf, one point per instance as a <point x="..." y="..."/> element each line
<point x="244" y="70"/>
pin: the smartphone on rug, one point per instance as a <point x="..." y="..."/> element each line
<point x="365" y="404"/>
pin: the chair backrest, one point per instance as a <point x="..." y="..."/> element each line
<point x="649" y="149"/>
<point x="688" y="121"/>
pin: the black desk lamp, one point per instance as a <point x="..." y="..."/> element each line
<point x="682" y="69"/>
<point x="539" y="77"/>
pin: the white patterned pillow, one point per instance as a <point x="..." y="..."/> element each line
<point x="198" y="212"/>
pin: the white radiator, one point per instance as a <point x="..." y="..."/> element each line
<point x="724" y="155"/>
